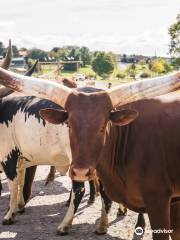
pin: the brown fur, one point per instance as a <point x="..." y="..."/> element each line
<point x="138" y="163"/>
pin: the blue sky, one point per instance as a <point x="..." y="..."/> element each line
<point x="122" y="26"/>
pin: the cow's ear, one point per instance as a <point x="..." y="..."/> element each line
<point x="123" y="117"/>
<point x="53" y="116"/>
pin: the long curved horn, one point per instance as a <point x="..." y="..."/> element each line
<point x="6" y="64"/>
<point x="131" y="92"/>
<point x="32" y="69"/>
<point x="4" y="91"/>
<point x="7" y="61"/>
<point x="35" y="87"/>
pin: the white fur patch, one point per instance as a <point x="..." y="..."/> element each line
<point x="39" y="144"/>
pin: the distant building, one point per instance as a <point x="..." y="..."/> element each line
<point x="18" y="62"/>
<point x="131" y="58"/>
<point x="18" y="65"/>
<point x="71" y="65"/>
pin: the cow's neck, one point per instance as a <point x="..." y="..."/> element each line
<point x="112" y="162"/>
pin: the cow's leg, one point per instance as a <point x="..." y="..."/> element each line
<point x="21" y="178"/>
<point x="0" y="184"/>
<point x="175" y="221"/>
<point x="106" y="206"/>
<point x="92" y="192"/>
<point x="122" y="210"/>
<point x="51" y="175"/>
<point x="13" y="188"/>
<point x="0" y="187"/>
<point x="96" y="184"/>
<point x="69" y="200"/>
<point x="78" y="191"/>
<point x="29" y="177"/>
<point x="158" y="210"/>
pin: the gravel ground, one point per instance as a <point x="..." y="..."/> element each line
<point x="46" y="209"/>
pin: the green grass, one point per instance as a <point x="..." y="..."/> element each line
<point x="50" y="71"/>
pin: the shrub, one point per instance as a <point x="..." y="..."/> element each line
<point x="120" y="75"/>
<point x="145" y="74"/>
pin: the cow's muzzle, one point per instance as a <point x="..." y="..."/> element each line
<point x="81" y="174"/>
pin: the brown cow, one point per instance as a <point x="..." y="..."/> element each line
<point x="138" y="163"/>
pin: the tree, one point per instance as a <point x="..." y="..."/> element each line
<point x="176" y="63"/>
<point x="103" y="64"/>
<point x="38" y="54"/>
<point x="74" y="54"/>
<point x="15" y="51"/>
<point x="2" y="48"/>
<point x="174" y="32"/>
<point x="157" y="66"/>
<point x="85" y="56"/>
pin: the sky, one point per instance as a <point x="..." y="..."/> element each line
<point x="121" y="26"/>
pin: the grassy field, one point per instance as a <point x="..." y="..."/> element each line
<point x="50" y="71"/>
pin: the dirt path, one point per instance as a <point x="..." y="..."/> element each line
<point x="46" y="210"/>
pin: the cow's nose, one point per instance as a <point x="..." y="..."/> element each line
<point x="81" y="174"/>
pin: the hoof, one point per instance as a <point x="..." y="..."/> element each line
<point x="101" y="230"/>
<point x="97" y="232"/>
<point x="62" y="231"/>
<point x="121" y="213"/>
<point x="8" y="221"/>
<point x="46" y="183"/>
<point x="91" y="200"/>
<point x="21" y="208"/>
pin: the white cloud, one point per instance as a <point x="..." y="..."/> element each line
<point x="133" y="26"/>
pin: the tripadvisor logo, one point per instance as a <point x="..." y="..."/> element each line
<point x="139" y="231"/>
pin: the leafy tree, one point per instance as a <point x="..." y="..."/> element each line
<point x="157" y="66"/>
<point x="74" y="54"/>
<point x="38" y="54"/>
<point x="174" y="32"/>
<point x="15" y="51"/>
<point x="167" y="66"/>
<point x="2" y="48"/>
<point x="113" y="56"/>
<point x="176" y="63"/>
<point x="86" y="56"/>
<point x="103" y="64"/>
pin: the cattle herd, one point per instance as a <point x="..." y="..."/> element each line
<point x="125" y="141"/>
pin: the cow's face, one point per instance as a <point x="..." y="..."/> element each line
<point x="87" y="117"/>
